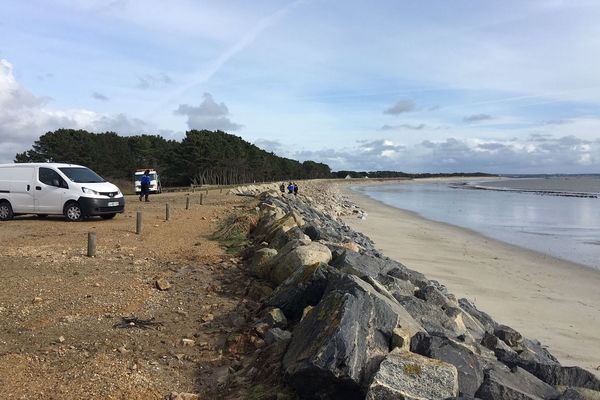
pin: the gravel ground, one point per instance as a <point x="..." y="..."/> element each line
<point x="62" y="333"/>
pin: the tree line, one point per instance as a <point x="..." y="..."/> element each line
<point x="202" y="157"/>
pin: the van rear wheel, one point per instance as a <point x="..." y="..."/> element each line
<point x="73" y="212"/>
<point x="6" y="211"/>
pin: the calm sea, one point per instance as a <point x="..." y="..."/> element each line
<point x="549" y="215"/>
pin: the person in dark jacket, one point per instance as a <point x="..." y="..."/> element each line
<point x="295" y="189"/>
<point x="145" y="185"/>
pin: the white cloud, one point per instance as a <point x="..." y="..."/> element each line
<point x="24" y="117"/>
<point x="208" y="115"/>
<point x="566" y="154"/>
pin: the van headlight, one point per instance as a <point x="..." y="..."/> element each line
<point x="90" y="191"/>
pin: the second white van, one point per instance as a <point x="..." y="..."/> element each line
<point x="53" y="188"/>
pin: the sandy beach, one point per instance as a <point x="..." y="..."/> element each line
<point x="545" y="298"/>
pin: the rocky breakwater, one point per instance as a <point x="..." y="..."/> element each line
<point x="359" y="325"/>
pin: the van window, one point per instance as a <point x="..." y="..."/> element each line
<point x="81" y="175"/>
<point x="50" y="177"/>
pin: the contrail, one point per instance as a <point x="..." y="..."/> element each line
<point x="213" y="67"/>
<point x="525" y="97"/>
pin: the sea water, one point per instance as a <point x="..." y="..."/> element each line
<point x="537" y="214"/>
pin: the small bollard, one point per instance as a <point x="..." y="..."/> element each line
<point x="138" y="223"/>
<point x="167" y="211"/>
<point x="201" y="198"/>
<point x="91" y="244"/>
<point x="221" y="191"/>
<point x="207" y="192"/>
<point x="187" y="203"/>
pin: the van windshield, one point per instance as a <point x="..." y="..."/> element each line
<point x="81" y="175"/>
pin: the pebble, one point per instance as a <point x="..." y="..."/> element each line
<point x="188" y="342"/>
<point x="162" y="284"/>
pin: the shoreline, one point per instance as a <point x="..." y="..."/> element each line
<point x="552" y="300"/>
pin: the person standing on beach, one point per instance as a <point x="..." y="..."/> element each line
<point x="295" y="189"/>
<point x="145" y="185"/>
<point x="282" y="188"/>
<point x="290" y="188"/>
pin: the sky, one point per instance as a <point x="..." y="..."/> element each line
<point x="509" y="86"/>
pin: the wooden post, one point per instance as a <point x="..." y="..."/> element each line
<point x="221" y="191"/>
<point x="167" y="211"/>
<point x="207" y="192"/>
<point x="91" y="244"/>
<point x="201" y="198"/>
<point x="138" y="223"/>
<point x="187" y="203"/>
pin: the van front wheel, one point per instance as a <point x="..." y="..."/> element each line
<point x="73" y="212"/>
<point x="6" y="211"/>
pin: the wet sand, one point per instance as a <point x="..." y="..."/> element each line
<point x="554" y="301"/>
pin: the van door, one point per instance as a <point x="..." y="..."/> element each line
<point x="49" y="190"/>
<point x="20" y="183"/>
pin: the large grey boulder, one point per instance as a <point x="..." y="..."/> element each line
<point x="467" y="363"/>
<point x="405" y="375"/>
<point x="395" y="285"/>
<point x="484" y="319"/>
<point x="260" y="263"/>
<point x="281" y="238"/>
<point x="535" y="359"/>
<point x="402" y="272"/>
<point x="433" y="318"/>
<point x="312" y="253"/>
<point x="336" y="349"/>
<point x="361" y="265"/>
<point x="516" y="384"/>
<point x="305" y="287"/>
<point x="508" y="335"/>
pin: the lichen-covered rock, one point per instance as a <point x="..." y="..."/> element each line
<point x="275" y="317"/>
<point x="310" y="254"/>
<point x="337" y="347"/>
<point x="467" y="363"/>
<point x="398" y="286"/>
<point x="282" y="237"/>
<point x="260" y="265"/>
<point x="409" y="376"/>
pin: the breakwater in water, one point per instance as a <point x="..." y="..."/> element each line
<point x="344" y="321"/>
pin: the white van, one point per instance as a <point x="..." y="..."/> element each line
<point x="155" y="185"/>
<point x="52" y="188"/>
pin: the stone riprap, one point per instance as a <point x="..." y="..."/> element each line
<point x="362" y="325"/>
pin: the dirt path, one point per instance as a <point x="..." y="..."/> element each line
<point x="59" y="309"/>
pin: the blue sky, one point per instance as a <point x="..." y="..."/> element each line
<point x="428" y="86"/>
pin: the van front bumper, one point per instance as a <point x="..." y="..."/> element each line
<point x="92" y="206"/>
